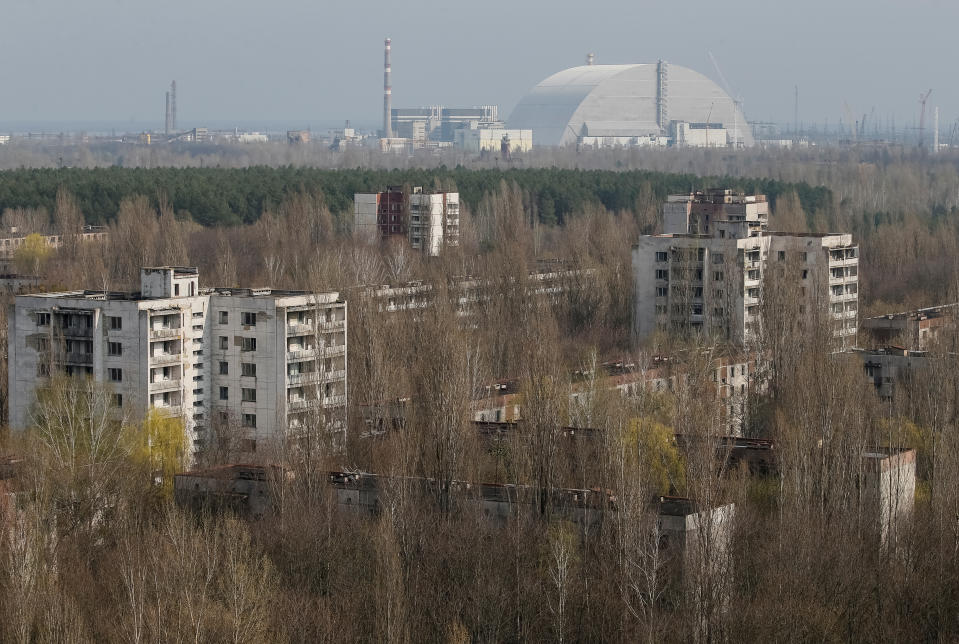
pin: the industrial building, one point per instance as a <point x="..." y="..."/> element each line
<point x="914" y="330"/>
<point x="272" y="362"/>
<point x="506" y="142"/>
<point x="640" y="104"/>
<point x="429" y="222"/>
<point x="706" y="272"/>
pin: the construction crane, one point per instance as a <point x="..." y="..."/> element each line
<point x="708" y="116"/>
<point x="737" y="100"/>
<point x="922" y="117"/>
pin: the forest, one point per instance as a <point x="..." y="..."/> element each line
<point x="230" y="196"/>
<point x="94" y="549"/>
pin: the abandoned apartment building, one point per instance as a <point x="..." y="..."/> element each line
<point x="271" y="362"/>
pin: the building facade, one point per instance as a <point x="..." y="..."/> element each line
<point x="707" y="271"/>
<point x="272" y="363"/>
<point x="428" y="221"/>
<point x="914" y="330"/>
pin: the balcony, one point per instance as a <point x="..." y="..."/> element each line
<point x="171" y="410"/>
<point x="333" y="325"/>
<point x="338" y="350"/>
<point x="78" y="358"/>
<point x="312" y="377"/>
<point x="170" y="384"/>
<point x="302" y="404"/>
<point x="164" y="334"/>
<point x="334" y="401"/>
<point x="299" y="329"/>
<point x="301" y="354"/>
<point x="165" y="358"/>
<point x="75" y="331"/>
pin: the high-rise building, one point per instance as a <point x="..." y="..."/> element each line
<point x="270" y="362"/>
<point x="428" y="221"/>
<point x="707" y="271"/>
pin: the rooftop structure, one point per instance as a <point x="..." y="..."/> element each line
<point x="624" y="104"/>
<point x="271" y="363"/>
<point x="914" y="330"/>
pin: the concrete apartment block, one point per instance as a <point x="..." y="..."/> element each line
<point x="272" y="363"/>
<point x="710" y="277"/>
<point x="428" y="221"/>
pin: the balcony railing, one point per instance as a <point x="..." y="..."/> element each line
<point x="337" y="350"/>
<point x="168" y="384"/>
<point x="163" y="334"/>
<point x="165" y="358"/>
<point x="172" y="410"/>
<point x="299" y="329"/>
<point x="76" y="331"/>
<point x="301" y="354"/>
<point x="334" y="401"/>
<point x="78" y="358"/>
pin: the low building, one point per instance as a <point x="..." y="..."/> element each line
<point x="914" y="330"/>
<point x="889" y="488"/>
<point x="247" y="490"/>
<point x="272" y="362"/>
<point x="494" y="140"/>
<point x="890" y="367"/>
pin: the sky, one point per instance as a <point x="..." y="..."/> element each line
<point x="319" y="62"/>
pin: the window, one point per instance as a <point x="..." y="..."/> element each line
<point x="249" y="420"/>
<point x="781" y="255"/>
<point x="198" y="314"/>
<point x="43" y="369"/>
<point x="805" y="274"/>
<point x="224" y="393"/>
<point x="198" y="392"/>
<point x="116" y="375"/>
<point x="197" y="365"/>
<point x="661" y="291"/>
<point x="661" y="309"/>
<point x="197" y="378"/>
<point x="197" y="327"/>
<point x="662" y="275"/>
<point x="249" y="319"/>
<point x="224" y="317"/>
<point x="114" y="348"/>
<point x="249" y="369"/>
<point x="804" y="256"/>
<point x="662" y="257"/>
<point x="249" y="344"/>
<point x="116" y="323"/>
<point x="176" y="289"/>
<point x="224" y="368"/>
<point x="718" y="276"/>
<point x="248" y="394"/>
<point x="43" y="319"/>
<point x="118" y="400"/>
<point x="224" y="342"/>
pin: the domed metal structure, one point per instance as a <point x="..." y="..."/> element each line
<point x="626" y="101"/>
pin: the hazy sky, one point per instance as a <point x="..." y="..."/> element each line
<point x="321" y="61"/>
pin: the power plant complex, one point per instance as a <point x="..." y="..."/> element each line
<point x="593" y="105"/>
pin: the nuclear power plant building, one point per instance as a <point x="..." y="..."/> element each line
<point x="651" y="104"/>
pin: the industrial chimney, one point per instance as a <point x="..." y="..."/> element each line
<point x="387" y="95"/>
<point x="173" y="106"/>
<point x="167" y="126"/>
<point x="590" y="58"/>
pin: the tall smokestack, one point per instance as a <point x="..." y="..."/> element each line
<point x="387" y="94"/>
<point x="167" y="126"/>
<point x="173" y="106"/>
<point x="590" y="58"/>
